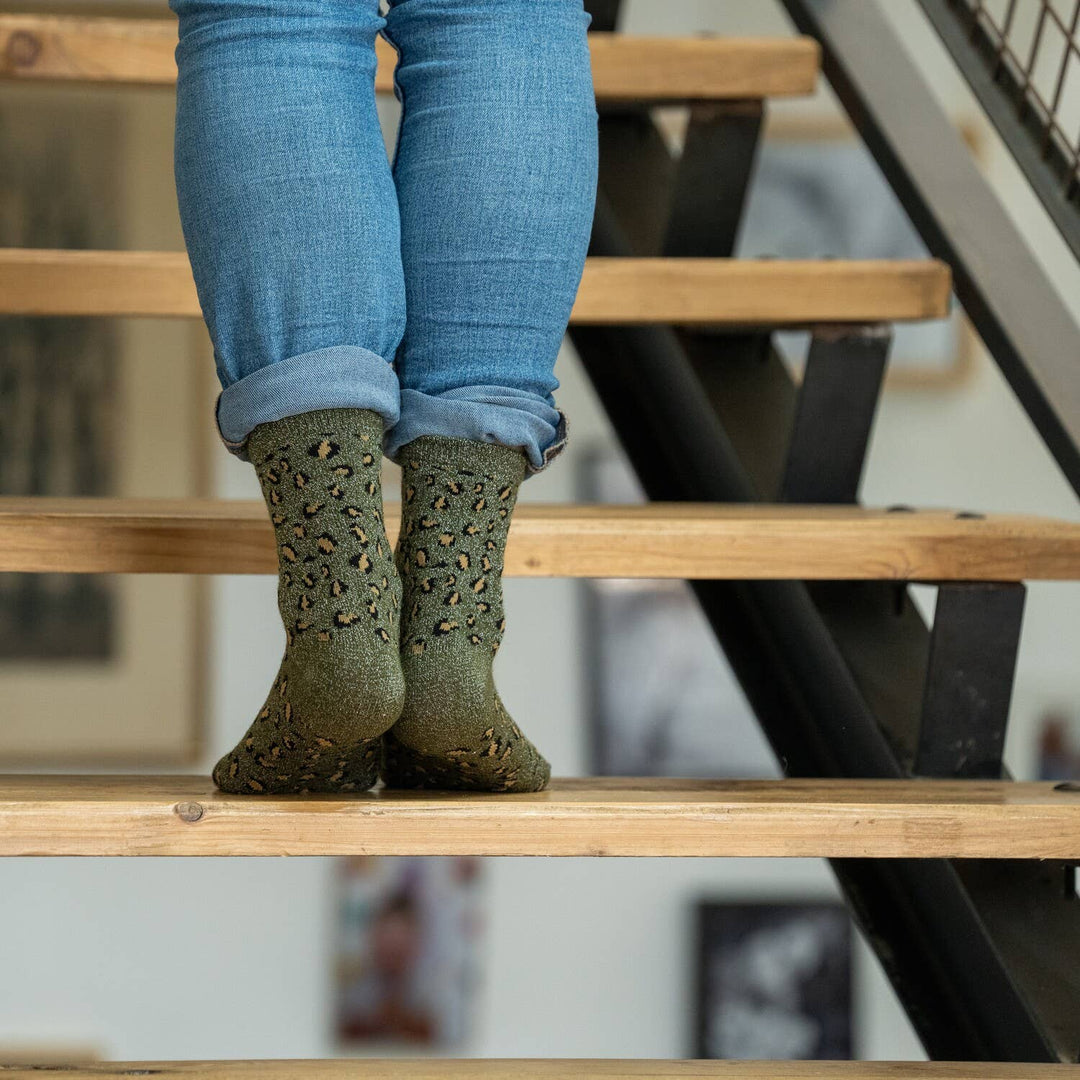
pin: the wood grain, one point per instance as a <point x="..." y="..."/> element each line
<point x="655" y="540"/>
<point x="761" y="292"/>
<point x="723" y="292"/>
<point x="625" y="68"/>
<point x="551" y="1069"/>
<point x="177" y="815"/>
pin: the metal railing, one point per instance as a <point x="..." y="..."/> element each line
<point x="1022" y="60"/>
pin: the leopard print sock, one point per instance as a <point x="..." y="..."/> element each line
<point x="340" y="684"/>
<point x="457" y="500"/>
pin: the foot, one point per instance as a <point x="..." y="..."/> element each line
<point x="340" y="684"/>
<point x="457" y="501"/>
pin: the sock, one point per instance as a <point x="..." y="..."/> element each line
<point x="457" y="500"/>
<point x="340" y="684"/>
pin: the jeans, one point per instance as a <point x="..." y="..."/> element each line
<point x="434" y="291"/>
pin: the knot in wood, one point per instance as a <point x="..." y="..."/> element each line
<point x="189" y="811"/>
<point x="23" y="49"/>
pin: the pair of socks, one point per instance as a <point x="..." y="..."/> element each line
<point x="388" y="658"/>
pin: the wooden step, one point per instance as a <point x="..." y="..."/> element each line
<point x="722" y="292"/>
<point x="655" y="540"/>
<point x="179" y="815"/>
<point x="549" y="1069"/>
<point x="625" y="68"/>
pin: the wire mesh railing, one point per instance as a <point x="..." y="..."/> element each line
<point x="1022" y="59"/>
<point x="1041" y="53"/>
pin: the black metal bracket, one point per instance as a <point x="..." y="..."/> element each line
<point x="605" y="14"/>
<point x="690" y="204"/>
<point x="969" y="680"/>
<point x="712" y="179"/>
<point x="834" y="414"/>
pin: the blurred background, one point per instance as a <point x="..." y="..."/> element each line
<point x="170" y="958"/>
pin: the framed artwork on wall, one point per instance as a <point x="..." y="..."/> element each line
<point x="663" y="700"/>
<point x="818" y="193"/>
<point x="773" y="981"/>
<point x="1058" y="753"/>
<point x="407" y="951"/>
<point x="98" y="669"/>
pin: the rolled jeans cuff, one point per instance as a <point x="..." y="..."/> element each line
<point x="340" y="377"/>
<point x="490" y="414"/>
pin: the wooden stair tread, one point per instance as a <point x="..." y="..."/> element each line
<point x="625" y="67"/>
<point x="654" y="540"/>
<point x="552" y="1069"/>
<point x="728" y="292"/>
<point x="184" y="815"/>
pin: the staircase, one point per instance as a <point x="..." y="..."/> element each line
<point x="893" y="776"/>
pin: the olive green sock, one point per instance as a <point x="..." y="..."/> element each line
<point x="457" y="500"/>
<point x="340" y="684"/>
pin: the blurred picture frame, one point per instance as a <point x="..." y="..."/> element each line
<point x="407" y="951"/>
<point x="774" y="981"/>
<point x="818" y="193"/>
<point x="1057" y="737"/>
<point x="662" y="699"/>
<point x="99" y="670"/>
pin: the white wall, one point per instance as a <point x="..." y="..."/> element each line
<point x="227" y="958"/>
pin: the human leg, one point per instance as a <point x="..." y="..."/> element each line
<point x="291" y="221"/>
<point x="496" y="176"/>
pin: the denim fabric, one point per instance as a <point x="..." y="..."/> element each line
<point x="323" y="379"/>
<point x="435" y="291"/>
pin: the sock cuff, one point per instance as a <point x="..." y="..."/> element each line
<point x="364" y="423"/>
<point x="506" y="464"/>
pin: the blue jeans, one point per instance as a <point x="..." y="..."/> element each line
<point x="434" y="292"/>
